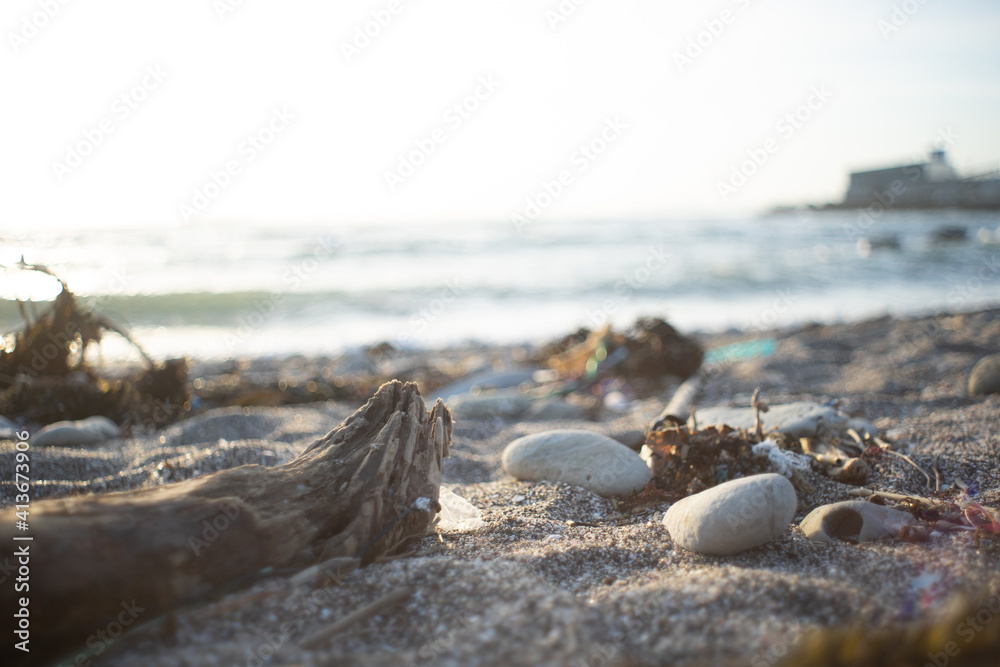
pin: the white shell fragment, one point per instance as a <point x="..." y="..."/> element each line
<point x="854" y="520"/>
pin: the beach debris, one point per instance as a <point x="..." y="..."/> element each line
<point x="331" y="571"/>
<point x="888" y="450"/>
<point x="985" y="376"/>
<point x="457" y="514"/>
<point x="783" y="461"/>
<point x="656" y="349"/>
<point x="684" y="461"/>
<point x="959" y="514"/>
<point x="649" y="350"/>
<point x="724" y="355"/>
<point x="734" y="516"/>
<point x="320" y="637"/>
<point x="45" y="378"/>
<point x="579" y="358"/>
<point x="802" y="419"/>
<point x="838" y="464"/>
<point x="854" y="521"/>
<point x="584" y="458"/>
<point x="926" y="509"/>
<point x="89" y="431"/>
<point x="340" y="497"/>
<point x="678" y="410"/>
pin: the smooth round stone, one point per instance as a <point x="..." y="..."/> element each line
<point x="507" y="404"/>
<point x="632" y="438"/>
<point x="856" y="520"/>
<point x="8" y="429"/>
<point x="584" y="458"/>
<point x="555" y="408"/>
<point x="801" y="419"/>
<point x="733" y="517"/>
<point x="985" y="376"/>
<point x="485" y="380"/>
<point x="89" y="431"/>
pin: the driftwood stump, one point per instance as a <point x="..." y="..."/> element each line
<point x="363" y="489"/>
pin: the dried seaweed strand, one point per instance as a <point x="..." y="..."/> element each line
<point x="320" y="636"/>
<point x="912" y="463"/>
<point x="865" y="493"/>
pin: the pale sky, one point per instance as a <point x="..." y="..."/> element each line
<point x="117" y="113"/>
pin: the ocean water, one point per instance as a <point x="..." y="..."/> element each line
<point x="229" y="290"/>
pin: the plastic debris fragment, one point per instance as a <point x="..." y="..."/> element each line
<point x="457" y="513"/>
<point x="782" y="461"/>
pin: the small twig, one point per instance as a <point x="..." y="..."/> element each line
<point x="24" y="313"/>
<point x="865" y="493"/>
<point x="321" y="636"/>
<point x="332" y="570"/>
<point x="681" y="403"/>
<point x="856" y="437"/>
<point x="41" y="268"/>
<point x="111" y="326"/>
<point x="912" y="463"/>
<point x="937" y="477"/>
<point x="227" y="606"/>
<point x="759" y="406"/>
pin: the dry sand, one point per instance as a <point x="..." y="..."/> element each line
<point x="557" y="576"/>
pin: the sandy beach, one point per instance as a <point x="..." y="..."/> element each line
<point x="558" y="575"/>
<point x="462" y="334"/>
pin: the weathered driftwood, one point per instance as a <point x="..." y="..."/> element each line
<point x="679" y="408"/>
<point x="360" y="491"/>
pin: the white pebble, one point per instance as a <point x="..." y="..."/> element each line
<point x="584" y="458"/>
<point x="733" y="517"/>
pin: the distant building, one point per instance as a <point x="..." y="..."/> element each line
<point x="933" y="184"/>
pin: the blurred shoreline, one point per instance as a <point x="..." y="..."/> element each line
<point x="217" y="292"/>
